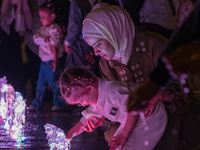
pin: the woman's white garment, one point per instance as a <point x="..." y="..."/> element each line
<point x="114" y="24"/>
<point x="159" y="12"/>
<point x="55" y="36"/>
<point x="22" y="16"/>
<point x="112" y="103"/>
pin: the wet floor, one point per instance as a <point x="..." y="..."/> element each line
<point x="35" y="135"/>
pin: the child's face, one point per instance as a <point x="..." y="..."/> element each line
<point x="101" y="47"/>
<point x="88" y="97"/>
<point x="46" y="17"/>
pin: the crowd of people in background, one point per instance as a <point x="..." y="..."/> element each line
<point x="117" y="62"/>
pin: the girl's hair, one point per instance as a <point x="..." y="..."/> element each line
<point x="73" y="78"/>
<point x="50" y="6"/>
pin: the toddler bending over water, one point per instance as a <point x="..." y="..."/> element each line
<point x="108" y="99"/>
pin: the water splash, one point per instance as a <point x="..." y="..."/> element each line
<point x="12" y="111"/>
<point x="56" y="138"/>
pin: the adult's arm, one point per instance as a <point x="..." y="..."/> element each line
<point x="76" y="17"/>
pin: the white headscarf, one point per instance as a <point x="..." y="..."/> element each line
<point x="114" y="24"/>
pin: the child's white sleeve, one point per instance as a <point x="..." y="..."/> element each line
<point x="39" y="38"/>
<point x="55" y="37"/>
<point x="89" y="112"/>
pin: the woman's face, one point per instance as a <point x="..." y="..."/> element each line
<point x="102" y="47"/>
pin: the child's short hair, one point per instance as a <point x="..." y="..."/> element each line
<point x="75" y="77"/>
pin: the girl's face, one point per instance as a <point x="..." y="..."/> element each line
<point x="83" y="96"/>
<point x="101" y="47"/>
<point x="46" y="17"/>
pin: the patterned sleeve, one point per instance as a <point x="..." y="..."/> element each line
<point x="55" y="36"/>
<point x="39" y="37"/>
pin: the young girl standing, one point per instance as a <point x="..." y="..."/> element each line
<point x="108" y="99"/>
<point x="49" y="39"/>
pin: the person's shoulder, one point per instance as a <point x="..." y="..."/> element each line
<point x="56" y="27"/>
<point x="156" y="37"/>
<point x="116" y="86"/>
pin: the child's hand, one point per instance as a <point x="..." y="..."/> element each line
<point x="67" y="49"/>
<point x="119" y="140"/>
<point x="69" y="136"/>
<point x="91" y="125"/>
<point x="54" y="65"/>
<point x="47" y="40"/>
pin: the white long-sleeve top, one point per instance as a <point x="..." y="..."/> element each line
<point x="112" y="103"/>
<point x="159" y="12"/>
<point x="18" y="10"/>
<point x="55" y="36"/>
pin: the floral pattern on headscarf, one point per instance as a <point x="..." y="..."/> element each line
<point x="114" y="24"/>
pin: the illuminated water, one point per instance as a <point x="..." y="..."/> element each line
<point x="20" y="129"/>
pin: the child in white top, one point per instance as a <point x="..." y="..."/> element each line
<point x="108" y="99"/>
<point x="49" y="39"/>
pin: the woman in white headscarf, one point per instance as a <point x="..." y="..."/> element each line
<point x="131" y="51"/>
<point x="111" y="32"/>
<point x="128" y="54"/>
<point x="117" y="29"/>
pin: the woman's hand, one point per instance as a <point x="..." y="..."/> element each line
<point x="91" y="125"/>
<point x="119" y="140"/>
<point x="148" y="111"/>
<point x="67" y="49"/>
<point x="140" y="98"/>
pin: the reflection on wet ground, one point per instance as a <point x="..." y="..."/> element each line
<point x="35" y="137"/>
